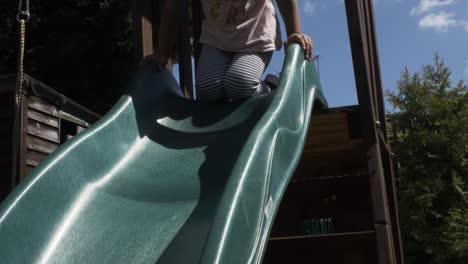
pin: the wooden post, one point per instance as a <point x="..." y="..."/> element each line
<point x="143" y="28"/>
<point x="185" y="53"/>
<point x="386" y="156"/>
<point x="197" y="19"/>
<point x="146" y="17"/>
<point x="369" y="89"/>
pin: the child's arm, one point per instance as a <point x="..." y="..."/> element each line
<point x="290" y="13"/>
<point x="167" y="32"/>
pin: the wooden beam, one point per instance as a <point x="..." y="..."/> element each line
<point x="142" y="13"/>
<point x="197" y="19"/>
<point x="369" y="89"/>
<point x="185" y="53"/>
<point x="387" y="161"/>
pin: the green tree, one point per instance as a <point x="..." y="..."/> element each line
<point x="431" y="123"/>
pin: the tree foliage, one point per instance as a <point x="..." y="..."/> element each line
<point x="431" y="121"/>
<point x="81" y="48"/>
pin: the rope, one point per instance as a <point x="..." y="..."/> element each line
<point x="23" y="17"/>
<point x="20" y="75"/>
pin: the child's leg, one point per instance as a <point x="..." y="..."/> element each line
<point x="243" y="77"/>
<point x="210" y="73"/>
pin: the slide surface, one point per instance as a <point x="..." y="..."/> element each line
<point x="161" y="179"/>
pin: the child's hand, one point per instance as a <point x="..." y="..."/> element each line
<point x="304" y="41"/>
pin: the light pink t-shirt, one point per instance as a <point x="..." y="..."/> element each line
<point x="241" y="25"/>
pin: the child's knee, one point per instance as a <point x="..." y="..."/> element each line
<point x="209" y="89"/>
<point x="239" y="85"/>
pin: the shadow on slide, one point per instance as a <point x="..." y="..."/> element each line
<point x="161" y="179"/>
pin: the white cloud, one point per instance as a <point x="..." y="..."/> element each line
<point x="309" y="8"/>
<point x="440" y="22"/>
<point x="464" y="23"/>
<point x="428" y="5"/>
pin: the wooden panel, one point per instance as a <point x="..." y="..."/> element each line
<point x="361" y="26"/>
<point x="333" y="127"/>
<point x="40" y="145"/>
<point x="143" y="27"/>
<point x="38" y="129"/>
<point x="332" y="160"/>
<point x="41" y="117"/>
<point x="384" y="244"/>
<point x="347" y="248"/>
<point x="72" y="119"/>
<point x="41" y="105"/>
<point x="33" y="158"/>
<point x="80" y="129"/>
<point x="331" y="148"/>
<point x="345" y="200"/>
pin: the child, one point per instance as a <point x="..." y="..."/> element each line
<point x="238" y="38"/>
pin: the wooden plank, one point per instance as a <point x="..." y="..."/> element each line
<point x="42" y="106"/>
<point x="34" y="158"/>
<point x="185" y="53"/>
<point x="43" y="131"/>
<point x="39" y="106"/>
<point x="41" y="117"/>
<point x="328" y="119"/>
<point x="377" y="185"/>
<point x="80" y="129"/>
<point x="197" y="18"/>
<point x="345" y="200"/>
<point x="368" y="82"/>
<point x="329" y="142"/>
<point x="337" y="236"/>
<point x="349" y="248"/>
<point x="72" y="119"/>
<point x="39" y="110"/>
<point x="384" y="244"/>
<point x="332" y="160"/>
<point x="327" y="128"/>
<point x="40" y="145"/>
<point x="22" y="148"/>
<point x="142" y="11"/>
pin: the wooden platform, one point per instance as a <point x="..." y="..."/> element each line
<point x="330" y="189"/>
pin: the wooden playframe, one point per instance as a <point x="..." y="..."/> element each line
<point x="361" y="25"/>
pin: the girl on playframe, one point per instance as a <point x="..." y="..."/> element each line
<point x="238" y="39"/>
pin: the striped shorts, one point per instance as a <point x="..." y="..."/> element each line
<point x="223" y="75"/>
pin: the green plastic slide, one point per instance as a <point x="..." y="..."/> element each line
<point x="161" y="179"/>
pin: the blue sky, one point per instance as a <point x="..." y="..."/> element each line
<point x="408" y="31"/>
